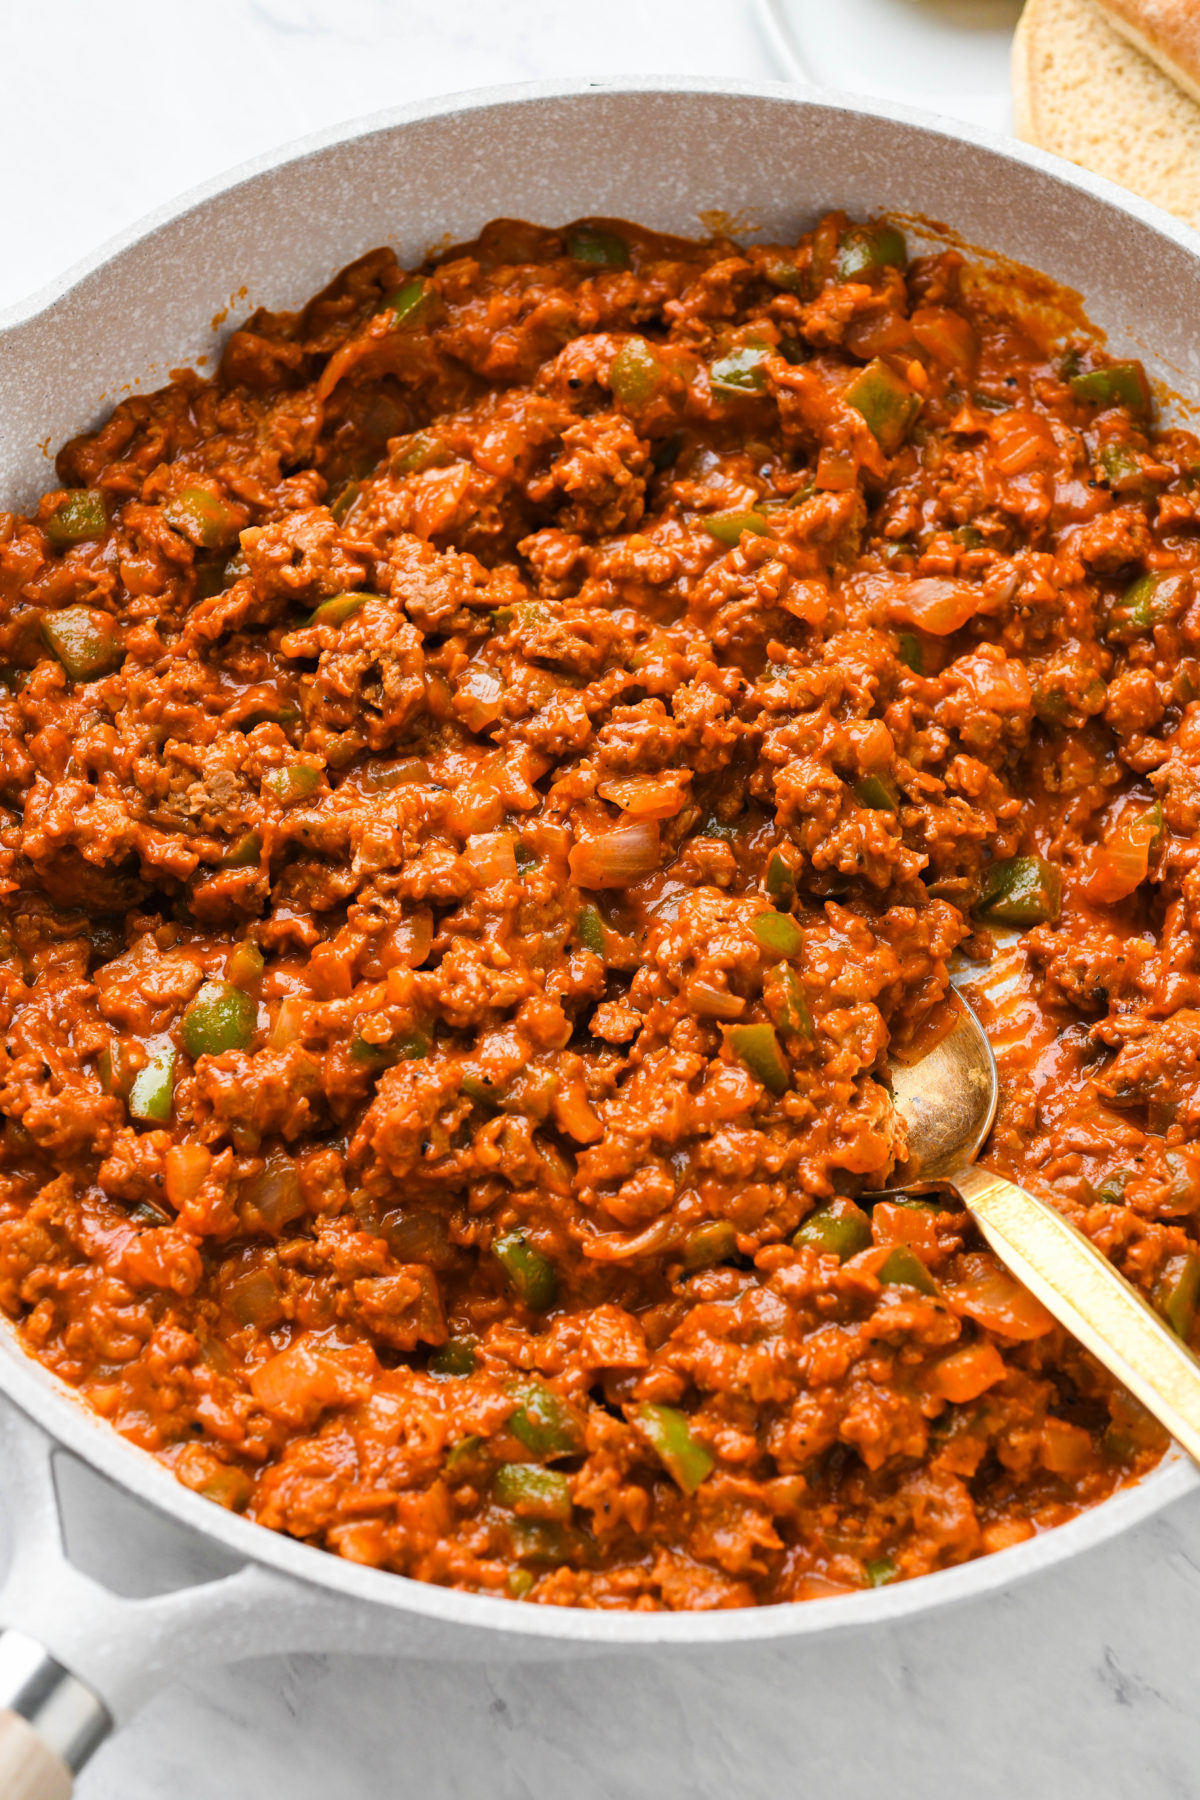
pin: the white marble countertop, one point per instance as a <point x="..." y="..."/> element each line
<point x="1077" y="1685"/>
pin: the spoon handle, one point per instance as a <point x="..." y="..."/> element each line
<point x="1079" y="1285"/>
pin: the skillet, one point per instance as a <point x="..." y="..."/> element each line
<point x="676" y="155"/>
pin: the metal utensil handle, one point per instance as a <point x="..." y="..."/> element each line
<point x="1077" y="1283"/>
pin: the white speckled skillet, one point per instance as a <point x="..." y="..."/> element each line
<point x="74" y="1658"/>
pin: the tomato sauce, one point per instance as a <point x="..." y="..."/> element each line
<point x="487" y="779"/>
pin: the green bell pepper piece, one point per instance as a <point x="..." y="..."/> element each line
<point x="550" y="1543"/>
<point x="153" y="1090"/>
<point x="590" y="929"/>
<point x="787" y="1002"/>
<point x="667" y="1431"/>
<point x="878" y="792"/>
<point x="728" y="527"/>
<point x="456" y="1357"/>
<point x="589" y="244"/>
<point x="544" y="1422"/>
<point x="1021" y="890"/>
<point x="1123" y="470"/>
<point x="1117" y="384"/>
<point x="345" y="502"/>
<point x="337" y="609"/>
<point x="1179" y="1294"/>
<point x="201" y="517"/>
<point x="888" y="404"/>
<point x="742" y="371"/>
<point x="245" y="853"/>
<point x="221" y="1017"/>
<point x="406" y="1046"/>
<point x="777" y="933"/>
<point x="880" y="1571"/>
<point x="467" y="1458"/>
<point x="904" y="1268"/>
<point x="866" y="248"/>
<point x="405" y="304"/>
<point x="530" y="1275"/>
<point x="294" y="781"/>
<point x="780" y="880"/>
<point x="713" y="1243"/>
<point x="209" y="579"/>
<point x="78" y="517"/>
<point x="245" y="965"/>
<point x="1151" y="600"/>
<point x="87" y="642"/>
<point x="421" y="450"/>
<point x="116" y="1069"/>
<point x="533" y="1492"/>
<point x="757" y="1047"/>
<point x="911" y="651"/>
<point x="1111" y="1191"/>
<point x="782" y="272"/>
<point x="839" y="1228"/>
<point x="635" y="372"/>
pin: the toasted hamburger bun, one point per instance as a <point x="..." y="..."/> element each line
<point x="1081" y="90"/>
<point x="1167" y="31"/>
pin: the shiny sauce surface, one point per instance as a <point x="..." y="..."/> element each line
<point x="487" y="779"/>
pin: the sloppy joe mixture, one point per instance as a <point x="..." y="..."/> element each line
<point x="487" y="779"/>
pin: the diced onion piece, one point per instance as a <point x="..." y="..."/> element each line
<point x="708" y="1002"/>
<point x="649" y="796"/>
<point x="1122" y="862"/>
<point x="617" y="858"/>
<point x="492" y="856"/>
<point x="935" y="603"/>
<point x="408" y="942"/>
<point x="997" y="1301"/>
<point x="290" y="1021"/>
<point x="255" y="1299"/>
<point x="965" y="1374"/>
<point x="298" y="1384"/>
<point x="479" y="698"/>
<point x="1021" y="439"/>
<point x="274" y="1193"/>
<point x="945" y="335"/>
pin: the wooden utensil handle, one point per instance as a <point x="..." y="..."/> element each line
<point x="29" y="1770"/>
<point x="1078" y="1284"/>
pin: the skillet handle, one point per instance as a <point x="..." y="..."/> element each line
<point x="50" y="1723"/>
<point x="78" y="1660"/>
<point x="29" y="1769"/>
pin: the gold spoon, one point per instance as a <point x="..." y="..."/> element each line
<point x="948" y="1099"/>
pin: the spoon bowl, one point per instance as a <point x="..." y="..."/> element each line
<point x="947" y="1098"/>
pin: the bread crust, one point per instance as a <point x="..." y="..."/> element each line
<point x="1083" y="91"/>
<point x="1167" y="31"/>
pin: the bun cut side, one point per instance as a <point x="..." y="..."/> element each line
<point x="1082" y="91"/>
